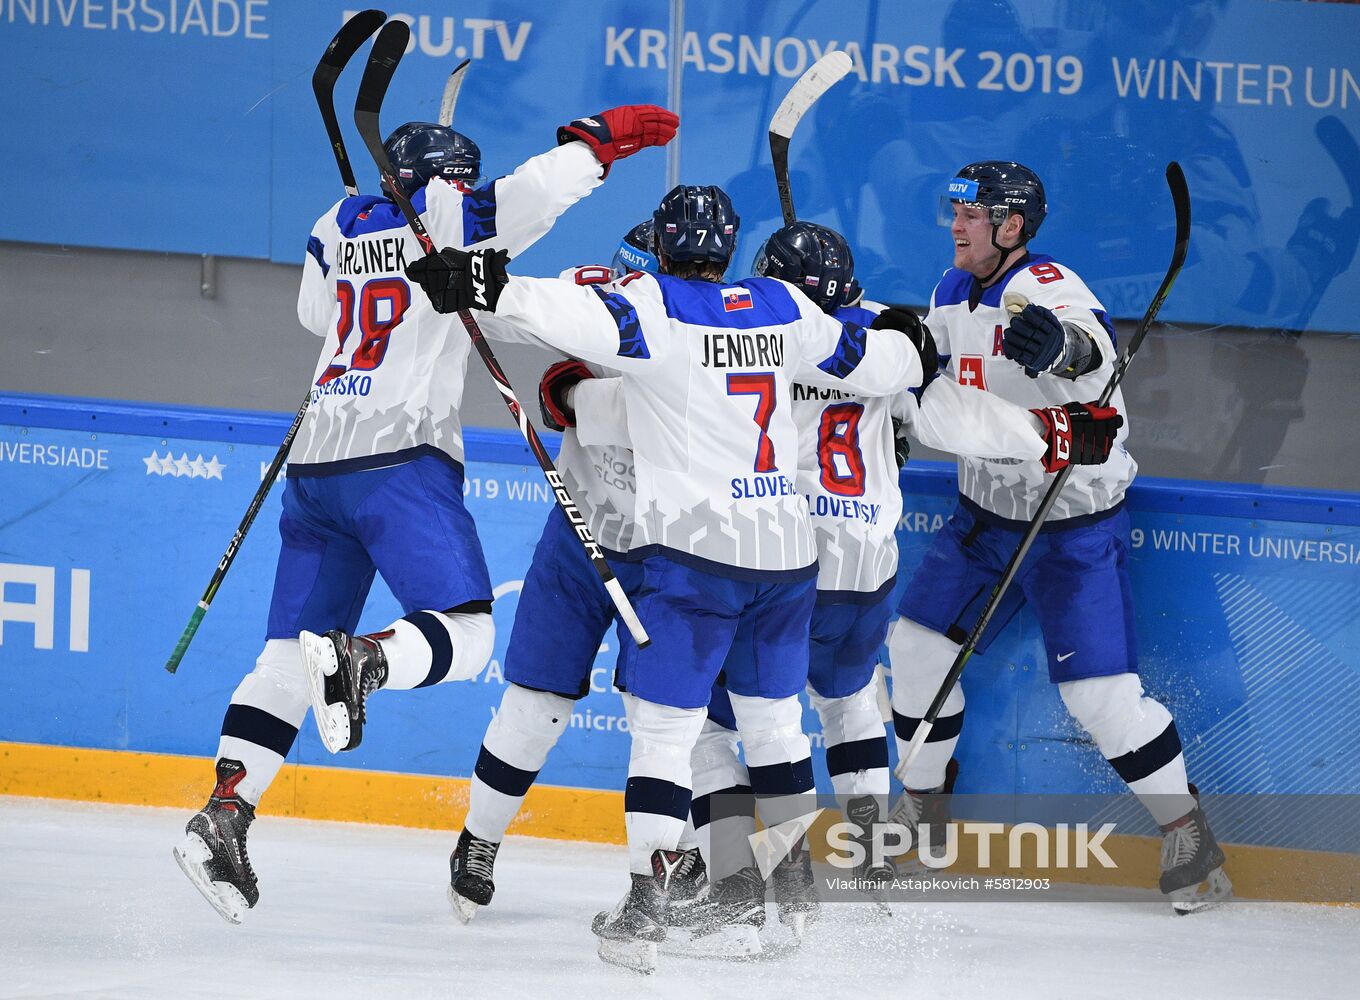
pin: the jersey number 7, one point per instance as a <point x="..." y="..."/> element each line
<point x="760" y="385"/>
<point x="381" y="303"/>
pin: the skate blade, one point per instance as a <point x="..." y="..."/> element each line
<point x="639" y="956"/>
<point x="733" y="942"/>
<point x="797" y="923"/>
<point x="225" y="898"/>
<point x="332" y="721"/>
<point x="463" y="908"/>
<point x="1215" y="890"/>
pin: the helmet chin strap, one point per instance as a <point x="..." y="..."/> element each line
<point x="1005" y="254"/>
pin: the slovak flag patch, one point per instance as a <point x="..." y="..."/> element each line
<point x="735" y="299"/>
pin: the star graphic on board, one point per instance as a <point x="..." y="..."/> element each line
<point x="153" y="464"/>
<point x="182" y="466"/>
<point x="168" y="465"/>
<point x="200" y="471"/>
<point x="213" y="469"/>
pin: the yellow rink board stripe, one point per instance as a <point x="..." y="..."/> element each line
<point x="424" y="801"/>
<point x="302" y="790"/>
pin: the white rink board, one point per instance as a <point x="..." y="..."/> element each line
<point x="92" y="905"/>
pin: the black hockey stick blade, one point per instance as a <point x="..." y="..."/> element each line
<point x="451" y="88"/>
<point x="383" y="59"/>
<point x="352" y="34"/>
<point x="1342" y="147"/>
<point x="1180" y="200"/>
<point x="820" y="77"/>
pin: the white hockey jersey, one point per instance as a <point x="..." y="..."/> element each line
<point x="707" y="371"/>
<point x="848" y="470"/>
<point x="389" y="382"/>
<point x="968" y="328"/>
<point x="598" y="471"/>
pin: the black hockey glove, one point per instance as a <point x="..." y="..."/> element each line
<point x="906" y="321"/>
<point x="1078" y="434"/>
<point x="456" y="280"/>
<point x="552" y="392"/>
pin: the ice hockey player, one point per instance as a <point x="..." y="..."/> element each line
<point x="729" y="561"/>
<point x="375" y="478"/>
<point x="1057" y="348"/>
<point x="564" y="612"/>
<point x="848" y="471"/>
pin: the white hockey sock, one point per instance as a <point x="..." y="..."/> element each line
<point x="657" y="798"/>
<point x="427" y="647"/>
<point x="920" y="659"/>
<point x="523" y="731"/>
<point x="723" y="808"/>
<point x="778" y="755"/>
<point x="1137" y="736"/>
<point x="856" y="743"/>
<point x="263" y="718"/>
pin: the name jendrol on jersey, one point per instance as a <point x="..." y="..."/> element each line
<point x="381" y="256"/>
<point x="743" y="350"/>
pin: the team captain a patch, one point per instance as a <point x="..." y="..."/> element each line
<point x="735" y="299"/>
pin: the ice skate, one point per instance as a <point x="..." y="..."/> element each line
<point x="630" y="932"/>
<point x="213" y="851"/>
<point x="795" y="892"/>
<point x="875" y="876"/>
<point x="931" y="809"/>
<point x="689" y="887"/>
<point x="342" y="671"/>
<point x="1192" y="863"/>
<point x="470" y="875"/>
<point x="727" y="922"/>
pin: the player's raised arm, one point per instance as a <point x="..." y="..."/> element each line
<point x="837" y="354"/>
<point x="515" y="211"/>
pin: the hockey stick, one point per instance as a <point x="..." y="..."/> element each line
<point x="346" y="42"/>
<point x="450" y="98"/>
<point x="352" y="34"/>
<point x="820" y="77"/>
<point x="388" y="49"/>
<point x="1180" y="197"/>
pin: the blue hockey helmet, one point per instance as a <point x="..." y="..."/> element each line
<point x="1001" y="187"/>
<point x="696" y="223"/>
<point x="635" y="251"/>
<point x="419" y="151"/>
<point x="813" y="257"/>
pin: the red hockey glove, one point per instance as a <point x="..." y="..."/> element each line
<point x="1078" y="434"/>
<point x="552" y="393"/>
<point x="621" y="132"/>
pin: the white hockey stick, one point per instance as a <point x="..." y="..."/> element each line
<point x="820" y="77"/>
<point x="451" y="88"/>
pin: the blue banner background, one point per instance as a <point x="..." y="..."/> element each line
<point x="1252" y="639"/>
<point x="189" y="126"/>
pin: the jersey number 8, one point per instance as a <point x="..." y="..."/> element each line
<point x="838" y="451"/>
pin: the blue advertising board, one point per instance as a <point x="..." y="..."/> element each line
<point x="1248" y="614"/>
<point x="189" y="126"/>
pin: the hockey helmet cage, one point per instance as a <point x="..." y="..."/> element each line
<point x="635" y="251"/>
<point x="1001" y="187"/>
<point x="696" y="223"/>
<point x="815" y="259"/>
<point x="419" y="151"/>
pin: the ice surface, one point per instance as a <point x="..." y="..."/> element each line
<point x="92" y="905"/>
